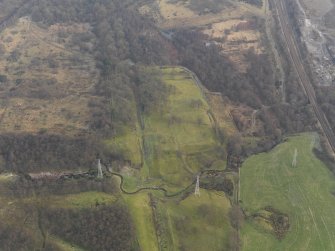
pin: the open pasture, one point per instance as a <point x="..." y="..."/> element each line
<point x="304" y="193"/>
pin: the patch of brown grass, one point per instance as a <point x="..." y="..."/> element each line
<point x="224" y="26"/>
<point x="222" y="112"/>
<point x="49" y="82"/>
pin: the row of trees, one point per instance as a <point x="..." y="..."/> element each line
<point x="24" y="186"/>
<point x="29" y="153"/>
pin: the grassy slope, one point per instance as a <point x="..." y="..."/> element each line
<point x="304" y="193"/>
<point x="81" y="200"/>
<point x="181" y="130"/>
<point x="196" y="223"/>
<point x="173" y="151"/>
<point x="63" y="245"/>
<point x="170" y="159"/>
<point x="199" y="223"/>
<point x="142" y="216"/>
<point x="128" y="143"/>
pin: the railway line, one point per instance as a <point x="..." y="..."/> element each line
<point x="280" y="9"/>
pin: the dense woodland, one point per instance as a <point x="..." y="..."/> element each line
<point x="326" y="97"/>
<point x="325" y="94"/>
<point x="256" y="88"/>
<point x="25" y="186"/>
<point x="29" y="153"/>
<point x="103" y="227"/>
<point x="15" y="238"/>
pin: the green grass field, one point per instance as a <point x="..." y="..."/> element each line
<point x="177" y="143"/>
<point x="81" y="200"/>
<point x="172" y="137"/>
<point x="198" y="223"/>
<point x="141" y="213"/>
<point x="128" y="143"/>
<point x="302" y="192"/>
<point x="195" y="223"/>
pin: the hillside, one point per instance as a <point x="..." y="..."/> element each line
<point x="160" y="125"/>
<point x="48" y="81"/>
<point x="165" y="154"/>
<point x="232" y="25"/>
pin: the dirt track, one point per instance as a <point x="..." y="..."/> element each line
<point x="280" y="9"/>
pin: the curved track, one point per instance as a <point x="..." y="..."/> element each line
<point x="297" y="62"/>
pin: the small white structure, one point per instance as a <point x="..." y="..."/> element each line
<point x="294" y="161"/>
<point x="100" y="174"/>
<point x="197" y="186"/>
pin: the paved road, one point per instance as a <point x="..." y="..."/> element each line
<point x="280" y="9"/>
